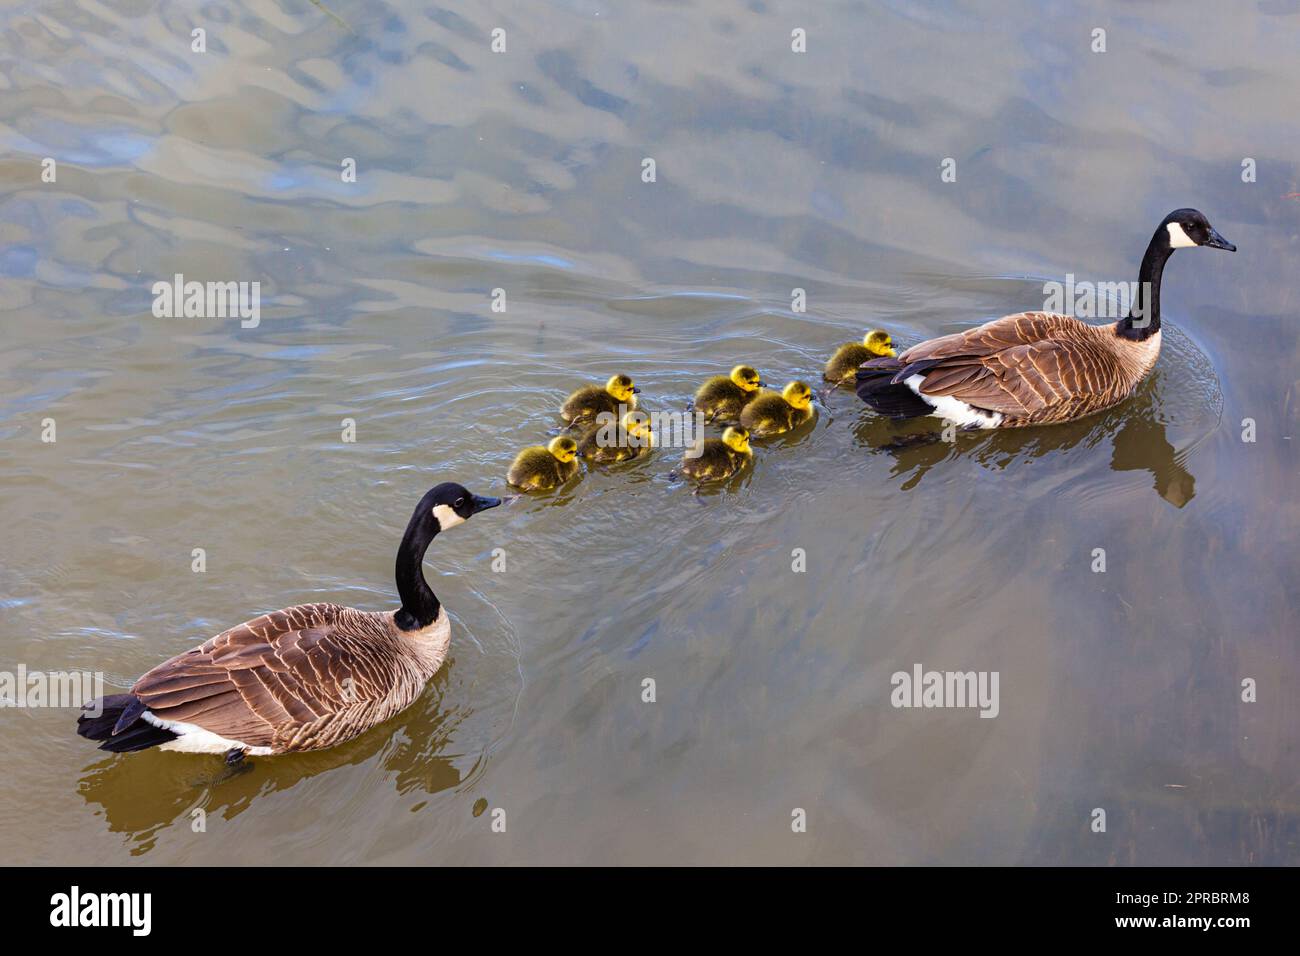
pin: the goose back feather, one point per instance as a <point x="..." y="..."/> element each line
<point x="301" y="678"/>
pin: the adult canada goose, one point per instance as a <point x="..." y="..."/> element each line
<point x="1036" y="368"/>
<point x="589" y="401"/>
<point x="302" y="678"/>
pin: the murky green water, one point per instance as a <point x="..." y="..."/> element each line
<point x="522" y="171"/>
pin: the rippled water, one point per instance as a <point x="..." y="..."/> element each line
<point x="522" y="171"/>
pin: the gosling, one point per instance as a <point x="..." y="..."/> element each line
<point x="724" y="396"/>
<point x="608" y="445"/>
<point x="842" y="369"/>
<point x="771" y="414"/>
<point x="589" y="401"/>
<point x="543" y="467"/>
<point x="720" y="458"/>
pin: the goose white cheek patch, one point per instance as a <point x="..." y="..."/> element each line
<point x="447" y="518"/>
<point x="1178" y="239"/>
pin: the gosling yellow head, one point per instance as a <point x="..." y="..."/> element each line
<point x="563" y="448"/>
<point x="797" y="394"/>
<point x="878" y="342"/>
<point x="737" y="439"/>
<point x="621" y="387"/>
<point x="746" y="377"/>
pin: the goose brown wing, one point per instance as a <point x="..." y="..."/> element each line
<point x="280" y="671"/>
<point x="1022" y="365"/>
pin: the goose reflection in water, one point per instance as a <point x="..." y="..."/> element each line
<point x="1138" y="436"/>
<point x="143" y="794"/>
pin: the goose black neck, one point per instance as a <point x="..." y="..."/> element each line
<point x="1143" y="319"/>
<point x="419" y="604"/>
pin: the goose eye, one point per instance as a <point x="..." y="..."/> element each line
<point x="460" y="503"/>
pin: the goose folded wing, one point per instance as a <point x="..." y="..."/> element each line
<point x="1016" y="381"/>
<point x="1017" y="365"/>
<point x="280" y="670"/>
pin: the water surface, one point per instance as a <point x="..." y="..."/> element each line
<point x="775" y="171"/>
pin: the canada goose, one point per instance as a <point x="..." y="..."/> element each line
<point x="720" y="458"/>
<point x="590" y="400"/>
<point x="607" y="443"/>
<point x="302" y="678"/>
<point x="1036" y="368"/>
<point x="843" y="365"/>
<point x="775" y="414"/>
<point x="543" y="467"/>
<point x="723" y="396"/>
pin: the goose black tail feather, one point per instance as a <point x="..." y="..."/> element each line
<point x="120" y="726"/>
<point x="141" y="736"/>
<point x="879" y="384"/>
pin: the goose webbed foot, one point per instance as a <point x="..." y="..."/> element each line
<point x="233" y="765"/>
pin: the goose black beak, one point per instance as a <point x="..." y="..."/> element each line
<point x="1217" y="241"/>
<point x="762" y="384"/>
<point x="483" y="504"/>
<point x="636" y="390"/>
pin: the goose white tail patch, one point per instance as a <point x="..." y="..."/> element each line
<point x="447" y="517"/>
<point x="953" y="409"/>
<point x="193" y="739"/>
<point x="1178" y="239"/>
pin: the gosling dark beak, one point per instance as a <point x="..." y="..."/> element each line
<point x="483" y="504"/>
<point x="762" y="384"/>
<point x="636" y="390"/>
<point x="1217" y="241"/>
